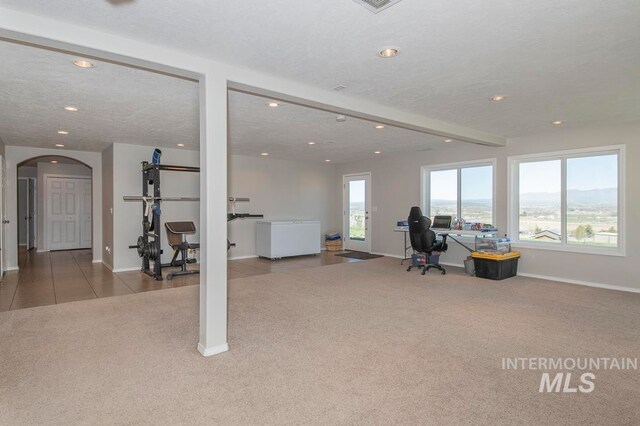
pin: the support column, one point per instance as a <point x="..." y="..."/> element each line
<point x="213" y="214"/>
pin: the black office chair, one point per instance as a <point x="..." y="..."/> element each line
<point x="423" y="239"/>
<point x="177" y="236"/>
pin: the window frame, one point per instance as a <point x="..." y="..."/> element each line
<point x="513" y="201"/>
<point x="425" y="183"/>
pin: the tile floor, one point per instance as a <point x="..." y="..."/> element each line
<point x="66" y="276"/>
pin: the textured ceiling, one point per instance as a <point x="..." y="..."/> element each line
<point x="285" y="132"/>
<point x="116" y="103"/>
<point x="124" y="105"/>
<point x="574" y="60"/>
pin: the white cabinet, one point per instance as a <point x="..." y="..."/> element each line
<point x="282" y="238"/>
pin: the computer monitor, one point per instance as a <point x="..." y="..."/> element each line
<point x="441" y="222"/>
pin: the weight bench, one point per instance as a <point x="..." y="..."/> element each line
<point x="177" y="235"/>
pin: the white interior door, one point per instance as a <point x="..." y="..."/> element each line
<point x="31" y="214"/>
<point x="356" y="212"/>
<point x="85" y="213"/>
<point x="63" y="213"/>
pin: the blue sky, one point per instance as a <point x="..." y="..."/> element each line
<point x="356" y="191"/>
<point x="583" y="173"/>
<point x="476" y="183"/>
<point x="592" y="172"/>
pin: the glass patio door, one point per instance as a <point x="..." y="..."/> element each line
<point x="356" y="212"/>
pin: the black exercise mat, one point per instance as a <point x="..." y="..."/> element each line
<point x="360" y="255"/>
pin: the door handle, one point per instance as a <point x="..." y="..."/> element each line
<point x="4" y="222"/>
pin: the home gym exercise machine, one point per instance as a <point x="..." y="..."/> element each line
<point x="149" y="244"/>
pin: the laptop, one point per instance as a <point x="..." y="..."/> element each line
<point x="441" y="223"/>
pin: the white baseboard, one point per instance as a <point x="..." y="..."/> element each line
<point x="243" y="257"/>
<point x="96" y="261"/>
<point x="109" y="267"/>
<point x="22" y="245"/>
<point x="456" y="265"/>
<point x="564" y="280"/>
<point x="581" y="282"/>
<point x="42" y="251"/>
<point x="12" y="268"/>
<point x="214" y="350"/>
<point x="137" y="268"/>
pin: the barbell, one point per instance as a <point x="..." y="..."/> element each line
<point x="146" y="250"/>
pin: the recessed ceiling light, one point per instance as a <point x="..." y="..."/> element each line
<point x="328" y="161"/>
<point x="71" y="108"/>
<point x="388" y="52"/>
<point x="180" y="144"/>
<point x="273" y="105"/>
<point x="558" y="122"/>
<point x="264" y="154"/>
<point x="448" y="140"/>
<point x="82" y="63"/>
<point x="377" y="152"/>
<point x="311" y="143"/>
<point x="63" y="132"/>
<point x="498" y="98"/>
<point x="54" y="161"/>
<point x="59" y="145"/>
<point x="379" y="126"/>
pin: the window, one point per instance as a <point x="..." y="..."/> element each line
<point x="463" y="190"/>
<point x="568" y="201"/>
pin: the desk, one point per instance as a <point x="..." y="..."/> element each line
<point x="453" y="233"/>
<point x="407" y="249"/>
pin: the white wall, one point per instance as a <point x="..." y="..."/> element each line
<point x="28" y="171"/>
<point x="278" y="189"/>
<point x="127" y="215"/>
<point x="49" y="169"/>
<point x="18" y="154"/>
<point x="396" y="187"/>
<point x="107" y="207"/>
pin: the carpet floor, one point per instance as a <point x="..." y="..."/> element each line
<point x="360" y="343"/>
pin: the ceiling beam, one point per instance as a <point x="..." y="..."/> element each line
<point x="358" y="108"/>
<point x="70" y="38"/>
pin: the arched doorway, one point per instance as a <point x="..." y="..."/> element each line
<point x="55" y="209"/>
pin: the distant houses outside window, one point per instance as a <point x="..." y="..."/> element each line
<point x="571" y="199"/>
<point x="461" y="190"/>
<point x="547" y="236"/>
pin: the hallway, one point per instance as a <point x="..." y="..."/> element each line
<point x="66" y="276"/>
